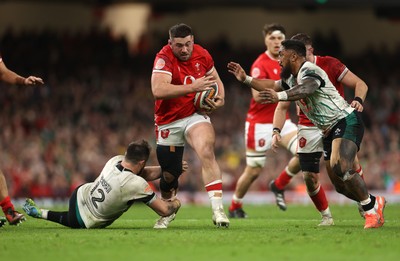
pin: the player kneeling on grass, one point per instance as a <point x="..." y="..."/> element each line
<point x="122" y="182"/>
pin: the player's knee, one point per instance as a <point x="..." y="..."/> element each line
<point x="342" y="174"/>
<point x="170" y="160"/>
<point x="170" y="185"/>
<point x="168" y="177"/>
<point x="309" y="162"/>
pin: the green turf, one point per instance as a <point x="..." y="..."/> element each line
<point x="268" y="234"/>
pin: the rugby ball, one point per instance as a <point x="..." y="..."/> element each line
<point x="199" y="98"/>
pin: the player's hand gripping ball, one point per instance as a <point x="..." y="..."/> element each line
<point x="199" y="98"/>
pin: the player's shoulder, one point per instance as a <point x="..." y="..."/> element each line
<point x="199" y="50"/>
<point x="166" y="51"/>
<point x="327" y="60"/>
<point x="114" y="160"/>
<point x="263" y="58"/>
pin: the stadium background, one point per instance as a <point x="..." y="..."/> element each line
<point x="96" y="59"/>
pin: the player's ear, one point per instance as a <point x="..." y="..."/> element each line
<point x="169" y="41"/>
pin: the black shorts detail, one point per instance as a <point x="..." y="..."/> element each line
<point x="350" y="128"/>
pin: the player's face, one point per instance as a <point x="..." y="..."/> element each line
<point x="273" y="42"/>
<point x="309" y="53"/>
<point x="182" y="48"/>
<point x="142" y="165"/>
<point x="284" y="62"/>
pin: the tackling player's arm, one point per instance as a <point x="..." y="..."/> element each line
<point x="297" y="92"/>
<point x="162" y="87"/>
<point x="165" y="208"/>
<point x="150" y="173"/>
<point x="360" y="89"/>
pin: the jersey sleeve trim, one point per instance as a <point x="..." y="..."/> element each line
<point x="316" y="77"/>
<point x="161" y="71"/>
<point x="341" y="76"/>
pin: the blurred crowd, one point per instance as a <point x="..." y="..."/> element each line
<point x="97" y="98"/>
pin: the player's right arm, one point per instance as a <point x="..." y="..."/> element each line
<point x="257" y="84"/>
<point x="162" y="87"/>
<point x="165" y="208"/>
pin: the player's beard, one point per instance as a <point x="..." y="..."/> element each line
<point x="286" y="72"/>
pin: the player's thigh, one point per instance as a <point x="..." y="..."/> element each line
<point x="289" y="136"/>
<point x="201" y="137"/>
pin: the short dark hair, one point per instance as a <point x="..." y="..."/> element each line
<point x="296" y="46"/>
<point x="137" y="151"/>
<point x="269" y="28"/>
<point x="180" y="31"/>
<point x="302" y="37"/>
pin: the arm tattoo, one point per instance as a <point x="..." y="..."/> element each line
<point x="302" y="90"/>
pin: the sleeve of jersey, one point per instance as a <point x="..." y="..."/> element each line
<point x="316" y="77"/>
<point x="209" y="62"/>
<point x="257" y="71"/>
<point x="162" y="64"/>
<point x="143" y="192"/>
<point x="337" y="68"/>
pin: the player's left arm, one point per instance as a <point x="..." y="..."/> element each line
<point x="278" y="122"/>
<point x="8" y="76"/>
<point x="308" y="86"/>
<point x="352" y="81"/>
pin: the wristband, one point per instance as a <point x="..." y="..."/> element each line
<point x="282" y="96"/>
<point x="276" y="130"/>
<point x="358" y="99"/>
<point x="248" y="80"/>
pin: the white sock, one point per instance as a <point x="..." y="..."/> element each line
<point x="236" y="199"/>
<point x="45" y="212"/>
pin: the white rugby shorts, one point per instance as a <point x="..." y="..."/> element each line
<point x="309" y="139"/>
<point x="173" y="134"/>
<point x="258" y="138"/>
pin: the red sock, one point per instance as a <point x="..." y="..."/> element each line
<point x="360" y="172"/>
<point x="235" y="205"/>
<point x="6" y="204"/>
<point x="283" y="179"/>
<point x="215" y="186"/>
<point x="319" y="198"/>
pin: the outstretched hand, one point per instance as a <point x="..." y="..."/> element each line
<point x="268" y="96"/>
<point x="33" y="80"/>
<point x="237" y="70"/>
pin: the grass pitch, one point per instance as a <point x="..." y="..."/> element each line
<point x="268" y="234"/>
